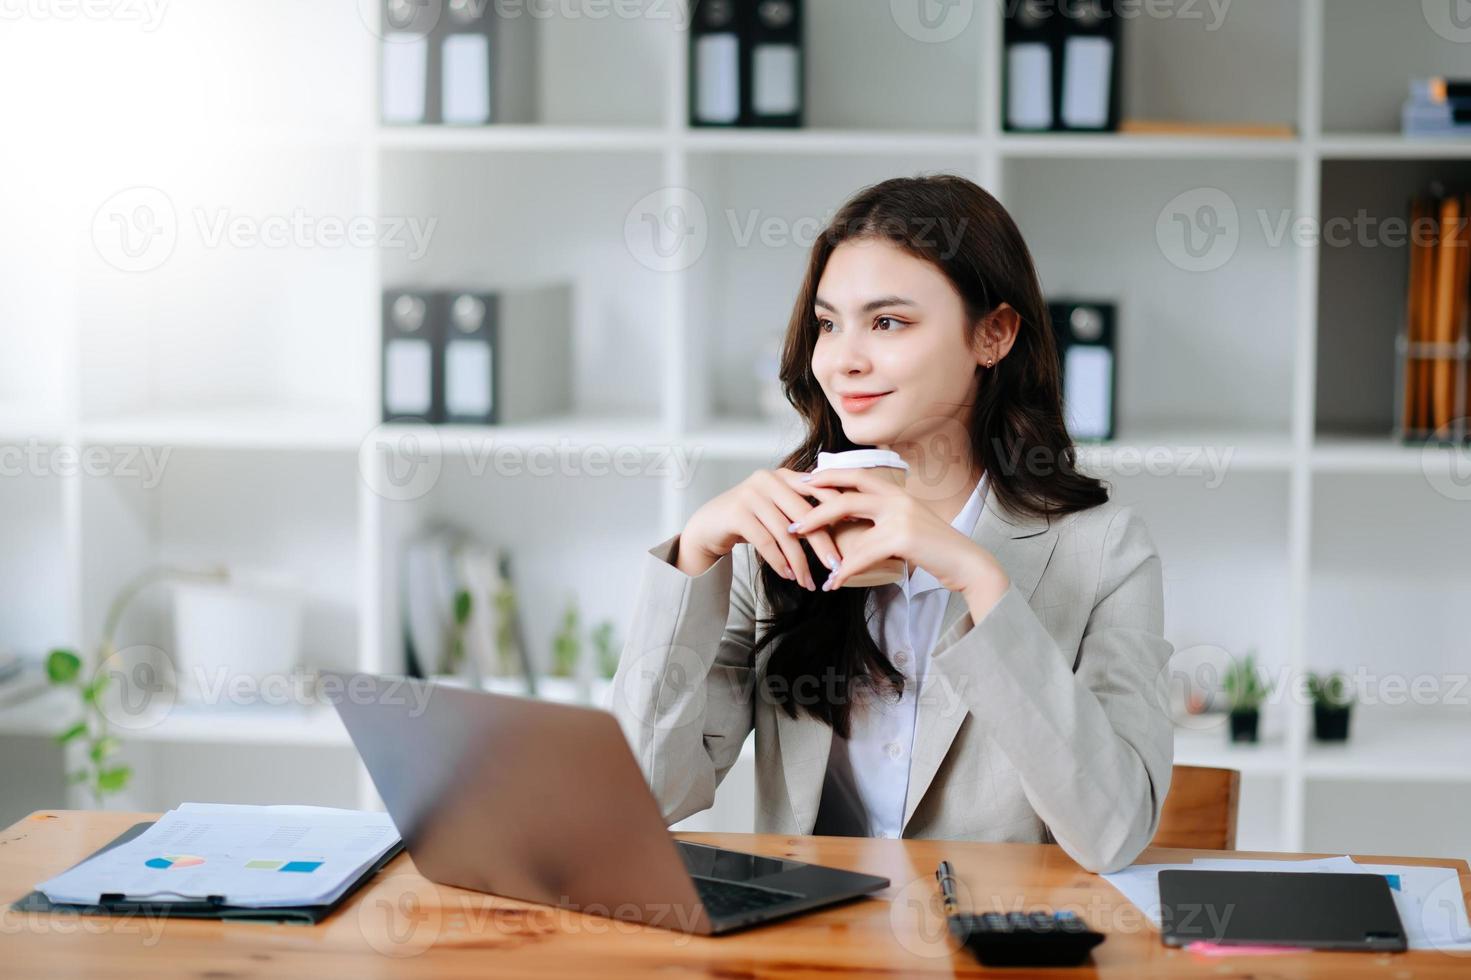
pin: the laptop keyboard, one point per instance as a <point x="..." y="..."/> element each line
<point x="723" y="899"/>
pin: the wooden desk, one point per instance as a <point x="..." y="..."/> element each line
<point x="402" y="925"/>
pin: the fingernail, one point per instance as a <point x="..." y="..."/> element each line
<point x="792" y="527"/>
<point x="827" y="586"/>
<point x="832" y="562"/>
<point x="806" y="479"/>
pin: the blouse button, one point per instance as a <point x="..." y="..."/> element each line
<point x="894" y="750"/>
<point x="901" y="659"/>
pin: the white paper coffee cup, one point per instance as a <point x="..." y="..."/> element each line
<point x="892" y="465"/>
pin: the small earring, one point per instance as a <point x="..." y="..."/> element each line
<point x="990" y="364"/>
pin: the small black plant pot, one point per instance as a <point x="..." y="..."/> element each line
<point x="1243" y="726"/>
<point x="1330" y="724"/>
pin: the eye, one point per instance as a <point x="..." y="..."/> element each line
<point x="822" y="325"/>
<point x="896" y="324"/>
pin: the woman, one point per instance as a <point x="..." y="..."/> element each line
<point x="1011" y="688"/>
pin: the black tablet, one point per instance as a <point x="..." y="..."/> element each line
<point x="1320" y="910"/>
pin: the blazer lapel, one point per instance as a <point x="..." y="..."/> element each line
<point x="804" y="743"/>
<point x="1023" y="545"/>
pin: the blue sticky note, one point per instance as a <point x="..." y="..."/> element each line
<point x="1393" y="881"/>
<point x="301" y="865"/>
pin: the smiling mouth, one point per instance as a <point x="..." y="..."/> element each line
<point x="860" y="402"/>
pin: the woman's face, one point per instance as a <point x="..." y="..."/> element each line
<point x="891" y="324"/>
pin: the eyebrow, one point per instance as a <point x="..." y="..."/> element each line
<point x="871" y="305"/>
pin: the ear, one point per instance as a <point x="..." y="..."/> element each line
<point x="998" y="333"/>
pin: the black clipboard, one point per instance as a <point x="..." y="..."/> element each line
<point x="213" y="907"/>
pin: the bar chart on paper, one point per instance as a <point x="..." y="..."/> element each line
<point x="175" y="861"/>
<point x="249" y="856"/>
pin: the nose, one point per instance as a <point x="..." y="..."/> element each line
<point x="851" y="354"/>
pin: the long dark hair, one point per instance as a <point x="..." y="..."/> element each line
<point x="823" y="652"/>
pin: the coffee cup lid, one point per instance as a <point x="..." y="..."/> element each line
<point x="860" y="459"/>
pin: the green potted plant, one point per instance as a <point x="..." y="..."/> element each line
<point x="102" y="776"/>
<point x="606" y="647"/>
<point x="455" y="659"/>
<point x="563" y="681"/>
<point x="1245" y="691"/>
<point x="513" y="672"/>
<point x="67" y="669"/>
<point x="1332" y="699"/>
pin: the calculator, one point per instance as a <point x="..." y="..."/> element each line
<point x="1025" y="938"/>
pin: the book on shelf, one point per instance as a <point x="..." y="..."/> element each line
<point x="1437" y="107"/>
<point x="1434" y="342"/>
<point x="1207" y="130"/>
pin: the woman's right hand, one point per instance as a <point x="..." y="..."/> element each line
<point x="758" y="510"/>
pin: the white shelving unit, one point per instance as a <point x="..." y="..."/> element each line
<point x="1255" y="396"/>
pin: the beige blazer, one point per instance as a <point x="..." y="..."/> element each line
<point x="1046" y="721"/>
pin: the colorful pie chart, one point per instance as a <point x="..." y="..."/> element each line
<point x="175" y="861"/>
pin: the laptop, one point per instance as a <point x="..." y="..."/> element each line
<point x="1316" y="909"/>
<point x="544" y="802"/>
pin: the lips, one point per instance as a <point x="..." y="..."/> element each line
<point x="861" y="403"/>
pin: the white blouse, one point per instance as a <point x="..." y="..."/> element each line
<point x="867" y="778"/>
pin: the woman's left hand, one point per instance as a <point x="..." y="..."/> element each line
<point x="903" y="527"/>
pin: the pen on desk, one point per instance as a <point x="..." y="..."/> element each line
<point x="946" y="877"/>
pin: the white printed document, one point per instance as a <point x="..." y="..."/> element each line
<point x="251" y="856"/>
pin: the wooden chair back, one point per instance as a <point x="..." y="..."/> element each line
<point x="1200" y="810"/>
